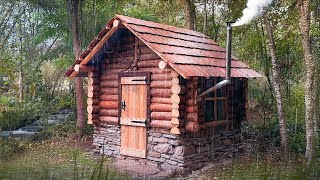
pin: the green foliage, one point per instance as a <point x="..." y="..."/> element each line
<point x="262" y="169"/>
<point x="10" y="147"/>
<point x="11" y="120"/>
<point x="56" y="131"/>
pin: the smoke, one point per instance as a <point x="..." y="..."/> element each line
<point x="254" y="8"/>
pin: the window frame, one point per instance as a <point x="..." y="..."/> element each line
<point x="224" y="97"/>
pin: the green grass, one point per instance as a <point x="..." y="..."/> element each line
<point x="263" y="168"/>
<point x="55" y="153"/>
<point x="45" y="161"/>
<point x="57" y="161"/>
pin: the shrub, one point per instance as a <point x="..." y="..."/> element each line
<point x="10" y="147"/>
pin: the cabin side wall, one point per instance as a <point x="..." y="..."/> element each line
<point x="203" y="141"/>
<point x="171" y="112"/>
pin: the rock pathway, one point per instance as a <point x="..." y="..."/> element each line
<point x="30" y="129"/>
<point x="138" y="170"/>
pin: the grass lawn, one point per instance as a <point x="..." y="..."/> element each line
<point x="58" y="158"/>
<point x="259" y="166"/>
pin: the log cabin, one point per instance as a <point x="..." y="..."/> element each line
<point x="143" y="99"/>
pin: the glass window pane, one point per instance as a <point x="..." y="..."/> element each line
<point x="221" y="110"/>
<point x="209" y="111"/>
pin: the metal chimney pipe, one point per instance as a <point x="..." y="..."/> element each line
<point x="228" y="49"/>
<point x="227" y="80"/>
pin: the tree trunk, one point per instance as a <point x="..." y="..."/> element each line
<point x="276" y="87"/>
<point x="205" y="19"/>
<point x="310" y="86"/>
<point x="189" y="14"/>
<point x="21" y="77"/>
<point x="73" y="6"/>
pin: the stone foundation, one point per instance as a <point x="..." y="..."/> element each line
<point x="177" y="153"/>
<point x="106" y="140"/>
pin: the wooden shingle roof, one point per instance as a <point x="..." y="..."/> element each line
<point x="188" y="52"/>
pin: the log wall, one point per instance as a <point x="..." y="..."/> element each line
<point x="93" y="99"/>
<point x="164" y="86"/>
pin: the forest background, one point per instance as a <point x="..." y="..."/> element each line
<point x="36" y="43"/>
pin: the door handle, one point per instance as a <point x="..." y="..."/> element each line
<point x="123" y="105"/>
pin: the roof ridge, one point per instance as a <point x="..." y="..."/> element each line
<point x="194" y="33"/>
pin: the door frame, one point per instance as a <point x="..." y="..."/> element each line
<point x="148" y="80"/>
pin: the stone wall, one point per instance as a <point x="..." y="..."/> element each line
<point x="179" y="153"/>
<point x="106" y="139"/>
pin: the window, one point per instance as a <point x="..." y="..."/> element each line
<point x="214" y="105"/>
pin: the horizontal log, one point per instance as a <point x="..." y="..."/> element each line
<point x="93" y="109"/>
<point x="175" y="113"/>
<point x="127" y="50"/>
<point x="108" y="104"/>
<point x="93" y="87"/>
<point x="175" y="80"/>
<point x="162" y="64"/>
<point x="93" y="116"/>
<point x="192" y="117"/>
<point x="157" y="107"/>
<point x="109" y="120"/>
<point x="192" y="109"/>
<point x="113" y="71"/>
<point x="149" y="56"/>
<point x="83" y="68"/>
<point x="109" y="84"/>
<point x="161" y="100"/>
<point x="93" y="81"/>
<point x="109" y="77"/>
<point x="157" y="92"/>
<point x="95" y="121"/>
<point x="128" y="56"/>
<point x="109" y="112"/>
<point x="109" y="97"/>
<point x="191" y="102"/>
<point x="93" y="75"/>
<point x="160" y="77"/>
<point x="161" y="124"/>
<point x="175" y="105"/>
<point x="161" y="84"/>
<point x="116" y="66"/>
<point x="112" y="91"/>
<point x="215" y="123"/>
<point x="148" y="64"/>
<point x="192" y="126"/>
<point x="116" y="23"/>
<point x="177" y="122"/>
<point x="155" y="70"/>
<point x="161" y="115"/>
<point x="175" y="88"/>
<point x="91" y="101"/>
<point x="93" y="95"/>
<point x="175" y="98"/>
<point x="174" y="74"/>
<point x="175" y="130"/>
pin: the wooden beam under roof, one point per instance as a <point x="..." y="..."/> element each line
<point x="98" y="46"/>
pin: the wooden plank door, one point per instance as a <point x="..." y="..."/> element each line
<point x="133" y="120"/>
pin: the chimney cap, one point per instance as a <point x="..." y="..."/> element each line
<point x="230" y="22"/>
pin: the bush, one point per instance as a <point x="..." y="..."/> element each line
<point x="14" y="119"/>
<point x="58" y="130"/>
<point x="297" y="142"/>
<point x="10" y="147"/>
